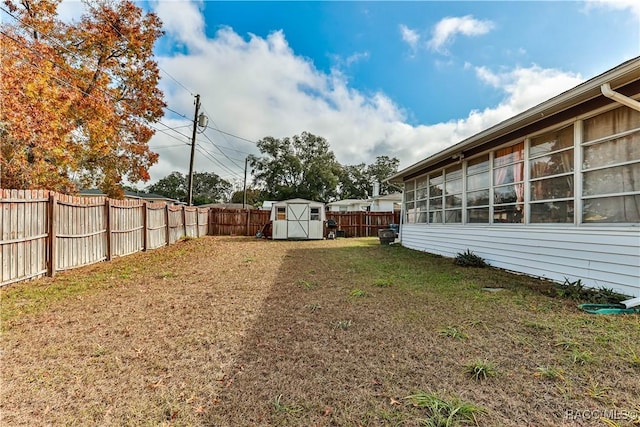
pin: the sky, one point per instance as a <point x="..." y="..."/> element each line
<point x="401" y="79"/>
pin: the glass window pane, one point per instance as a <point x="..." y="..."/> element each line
<point x="422" y="217"/>
<point x="315" y="214"/>
<point x="508" y="155"/>
<point x="478" y="198"/>
<point x="611" y="123"/>
<point x="613" y="151"/>
<point x="454" y="186"/>
<point x="478" y="164"/>
<point x="478" y="215"/>
<point x="435" y="217"/>
<point x="553" y="188"/>
<point x="621" y="179"/>
<point x="612" y="209"/>
<point x="478" y="181"/>
<point x="505" y="194"/>
<point x="422" y="193"/>
<point x="453" y="173"/>
<point x="453" y="216"/>
<point x="453" y="201"/>
<point x="508" y="174"/>
<point x="436" y="186"/>
<point x="421" y="205"/>
<point x="552" y="141"/>
<point x="410" y="217"/>
<point x="281" y="213"/>
<point x="409" y="185"/>
<point x="552" y="165"/>
<point x="422" y="182"/>
<point x="436" y="203"/>
<point x="508" y="214"/>
<point x="409" y="196"/>
<point x="552" y="212"/>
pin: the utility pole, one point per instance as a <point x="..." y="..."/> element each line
<point x="193" y="152"/>
<point x="244" y="189"/>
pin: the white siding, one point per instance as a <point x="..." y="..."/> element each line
<point x="601" y="257"/>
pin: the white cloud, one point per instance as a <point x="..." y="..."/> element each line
<point x="631" y="5"/>
<point x="256" y="87"/>
<point x="446" y="30"/>
<point x="411" y="37"/>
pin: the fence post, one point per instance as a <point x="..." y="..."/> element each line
<point x="167" y="234"/>
<point x="248" y="212"/>
<point x="184" y="221"/>
<point x="198" y="222"/>
<point x="53" y="225"/>
<point x="145" y="224"/>
<point x="107" y="220"/>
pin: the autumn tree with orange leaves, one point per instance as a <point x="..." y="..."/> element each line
<point x="77" y="99"/>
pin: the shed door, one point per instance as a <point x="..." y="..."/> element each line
<point x="297" y="221"/>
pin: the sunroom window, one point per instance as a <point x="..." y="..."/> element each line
<point x="551" y="177"/>
<point x="409" y="202"/>
<point x="611" y="167"/>
<point x="478" y="182"/>
<point x="508" y="190"/>
<point x="453" y="194"/>
<point x="436" y="191"/>
<point x="422" y="197"/>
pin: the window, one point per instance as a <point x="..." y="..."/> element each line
<point x="611" y="167"/>
<point x="315" y="214"/>
<point x="436" y="191"/>
<point x="551" y="177"/>
<point x="422" y="192"/>
<point x="409" y="202"/>
<point x="281" y="213"/>
<point x="508" y="191"/>
<point x="478" y="182"/>
<point x="453" y="194"/>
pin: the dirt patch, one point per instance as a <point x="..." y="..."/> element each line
<point x="240" y="331"/>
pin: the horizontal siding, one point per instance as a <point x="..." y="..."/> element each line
<point x="600" y="257"/>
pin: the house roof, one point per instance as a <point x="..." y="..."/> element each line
<point x="227" y="206"/>
<point x="284" y="202"/>
<point x="622" y="75"/>
<point x="394" y="197"/>
<point x="349" y="202"/>
<point x="127" y="194"/>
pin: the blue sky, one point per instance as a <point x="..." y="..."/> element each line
<point x="403" y="79"/>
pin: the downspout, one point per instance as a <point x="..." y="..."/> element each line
<point x="616" y="96"/>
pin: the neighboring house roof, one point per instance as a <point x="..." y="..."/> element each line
<point x="284" y="202"/>
<point x="589" y="91"/>
<point x="393" y="197"/>
<point x="152" y="197"/>
<point x="227" y="206"/>
<point x="349" y="202"/>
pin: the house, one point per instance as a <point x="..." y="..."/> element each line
<point x="386" y="203"/>
<point x="553" y="192"/>
<point x="349" y="205"/>
<point x="227" y="206"/>
<point x="297" y="219"/>
<point x="132" y="195"/>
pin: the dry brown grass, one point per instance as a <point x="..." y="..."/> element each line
<point x="242" y="332"/>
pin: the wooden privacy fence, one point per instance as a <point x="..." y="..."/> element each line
<point x="42" y="232"/>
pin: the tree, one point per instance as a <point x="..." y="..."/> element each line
<point x="255" y="197"/>
<point x="207" y="187"/>
<point x="380" y="170"/>
<point x="355" y="182"/>
<point x="78" y="98"/>
<point x="300" y="166"/>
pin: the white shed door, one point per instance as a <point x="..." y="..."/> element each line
<point x="297" y="221"/>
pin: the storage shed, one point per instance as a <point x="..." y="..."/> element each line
<point x="297" y="219"/>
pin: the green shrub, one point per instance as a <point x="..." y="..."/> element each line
<point x="469" y="259"/>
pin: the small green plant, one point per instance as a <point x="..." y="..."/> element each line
<point x="281" y="407"/>
<point x="581" y="357"/>
<point x="358" y="293"/>
<point x="598" y="392"/>
<point x="481" y="370"/>
<point x="567" y="343"/>
<point x="453" y="332"/>
<point x="313" y="307"/>
<point x="383" y="283"/>
<point x="469" y="259"/>
<point x="342" y="324"/>
<point x="305" y="284"/>
<point x="549" y="372"/>
<point x="444" y="412"/>
<point x="633" y="358"/>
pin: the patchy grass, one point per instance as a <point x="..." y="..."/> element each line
<point x="242" y="331"/>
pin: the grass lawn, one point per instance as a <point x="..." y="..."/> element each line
<point x="224" y="331"/>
